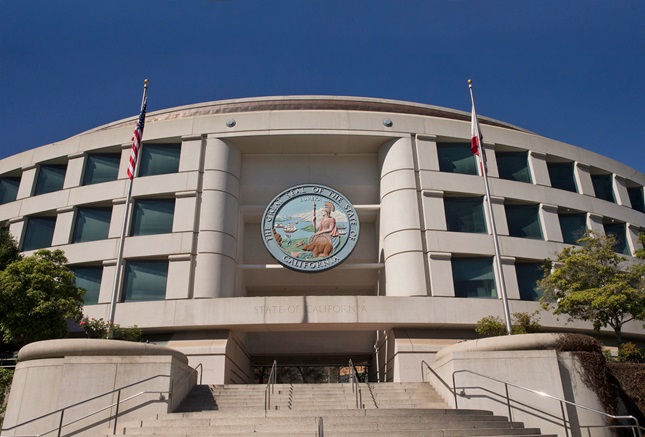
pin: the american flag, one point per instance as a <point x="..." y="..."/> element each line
<point x="136" y="139"/>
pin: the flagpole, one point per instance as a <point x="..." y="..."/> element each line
<point x="119" y="259"/>
<point x="498" y="258"/>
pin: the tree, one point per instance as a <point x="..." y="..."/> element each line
<point x="9" y="251"/>
<point x="593" y="283"/>
<point x="38" y="295"/>
<point x="522" y="323"/>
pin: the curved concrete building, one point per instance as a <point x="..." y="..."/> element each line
<point x="197" y="275"/>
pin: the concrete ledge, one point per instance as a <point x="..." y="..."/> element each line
<point x="92" y="347"/>
<point x="507" y="343"/>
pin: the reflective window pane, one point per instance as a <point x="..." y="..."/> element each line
<point x="636" y="198"/>
<point x="39" y="233"/>
<point x="152" y="216"/>
<point x="523" y="221"/>
<point x="159" y="159"/>
<point x="8" y="189"/>
<point x="619" y="233"/>
<point x="145" y="280"/>
<point x="561" y="175"/>
<point x="602" y="186"/>
<point x="101" y="168"/>
<point x="91" y="224"/>
<point x="473" y="277"/>
<point x="456" y="158"/>
<point x="573" y="227"/>
<point x="528" y="274"/>
<point x="50" y="178"/>
<point x="465" y="214"/>
<point x="89" y="278"/>
<point x="513" y="166"/>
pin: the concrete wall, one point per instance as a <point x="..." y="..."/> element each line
<point x="555" y="373"/>
<point x="58" y="373"/>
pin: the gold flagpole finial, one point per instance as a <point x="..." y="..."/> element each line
<point x="146" y="82"/>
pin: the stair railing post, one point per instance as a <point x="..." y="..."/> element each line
<point x="508" y="403"/>
<point x="60" y="423"/>
<point x="564" y="419"/>
<point x="116" y="413"/>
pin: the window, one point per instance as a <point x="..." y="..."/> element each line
<point x="152" y="216"/>
<point x="523" y="221"/>
<point x="465" y="214"/>
<point x="50" y="178"/>
<point x="456" y="158"/>
<point x="513" y="166"/>
<point x="619" y="233"/>
<point x="528" y="274"/>
<point x="561" y="175"/>
<point x="145" y="280"/>
<point x="602" y="186"/>
<point x="89" y="278"/>
<point x="91" y="224"/>
<point x="636" y="198"/>
<point x="8" y="189"/>
<point x="573" y="227"/>
<point x="159" y="159"/>
<point x="39" y="233"/>
<point x="101" y="168"/>
<point x="473" y="277"/>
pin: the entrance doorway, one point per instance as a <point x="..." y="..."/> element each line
<point x="310" y="371"/>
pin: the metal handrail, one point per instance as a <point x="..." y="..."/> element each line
<point x="355" y="383"/>
<point x="116" y="413"/>
<point x="273" y="377"/>
<point x="636" y="428"/>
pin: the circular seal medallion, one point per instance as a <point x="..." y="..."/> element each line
<point x="310" y="228"/>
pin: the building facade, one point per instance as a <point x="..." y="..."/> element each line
<point x="198" y="277"/>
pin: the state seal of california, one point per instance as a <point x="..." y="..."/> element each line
<point x="310" y="228"/>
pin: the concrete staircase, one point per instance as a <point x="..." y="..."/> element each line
<point x="316" y="410"/>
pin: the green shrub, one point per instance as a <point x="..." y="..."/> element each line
<point x="629" y="353"/>
<point x="522" y="323"/>
<point x="99" y="328"/>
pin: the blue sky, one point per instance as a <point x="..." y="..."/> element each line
<point x="572" y="70"/>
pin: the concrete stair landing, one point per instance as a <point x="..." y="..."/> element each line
<point x="317" y="410"/>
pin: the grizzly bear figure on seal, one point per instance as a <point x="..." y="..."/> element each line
<point x="321" y="246"/>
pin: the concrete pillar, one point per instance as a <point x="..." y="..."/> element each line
<point x="216" y="259"/>
<point x="620" y="191"/>
<point x="491" y="160"/>
<point x="594" y="223"/>
<point x="582" y="175"/>
<point x="64" y="225"/>
<point x="539" y="169"/>
<point x="27" y="182"/>
<point x="632" y="233"/>
<point x="75" y="167"/>
<point x="550" y="222"/>
<point x="427" y="157"/>
<point x="441" y="281"/>
<point x="400" y="226"/>
<point x="499" y="214"/>
<point x="510" y="278"/>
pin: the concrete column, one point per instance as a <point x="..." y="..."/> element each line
<point x="125" y="160"/>
<point x="539" y="169"/>
<point x="594" y="223"/>
<point x="631" y="233"/>
<point x="64" y="225"/>
<point x="17" y="229"/>
<point x="499" y="214"/>
<point x="75" y="167"/>
<point x="107" y="283"/>
<point x="27" y="182"/>
<point x="491" y="160"/>
<point x="510" y="278"/>
<point x="216" y="260"/>
<point x="433" y="210"/>
<point x="441" y="281"/>
<point x="620" y="191"/>
<point x="427" y="157"/>
<point x="400" y="226"/>
<point x="550" y="222"/>
<point x="179" y="276"/>
<point x="582" y="176"/>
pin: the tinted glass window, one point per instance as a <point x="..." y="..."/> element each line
<point x="561" y="175"/>
<point x="523" y="221"/>
<point x="528" y="274"/>
<point x="456" y="158"/>
<point x="8" y="189"/>
<point x="101" y="168"/>
<point x="50" y="178"/>
<point x="145" y="280"/>
<point x="619" y="233"/>
<point x="513" y="166"/>
<point x="473" y="277"/>
<point x="465" y="214"/>
<point x="636" y="198"/>
<point x="159" y="159"/>
<point x="152" y="216"/>
<point x="573" y="227"/>
<point x="39" y="233"/>
<point x="91" y="224"/>
<point x="89" y="278"/>
<point x="602" y="186"/>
